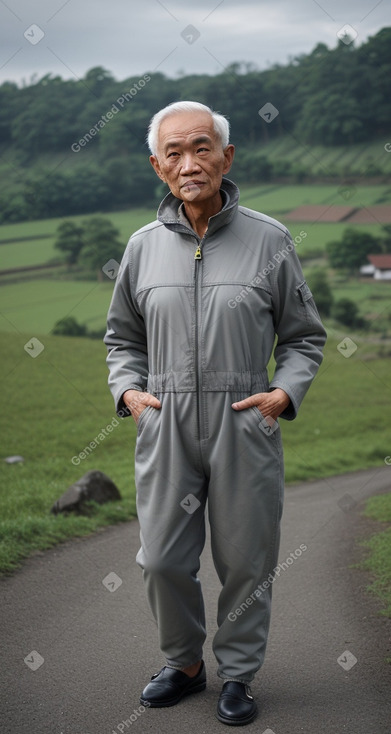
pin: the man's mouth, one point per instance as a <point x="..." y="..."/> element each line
<point x="193" y="184"/>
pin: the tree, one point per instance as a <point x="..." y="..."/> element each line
<point x="386" y="238"/>
<point x="351" y="252"/>
<point x="97" y="79"/>
<point x="346" y="312"/>
<point x="69" y="327"/>
<point x="101" y="244"/>
<point x="321" y="291"/>
<point x="70" y="240"/>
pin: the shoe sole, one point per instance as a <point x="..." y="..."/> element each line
<point x="160" y="705"/>
<point x="237" y="722"/>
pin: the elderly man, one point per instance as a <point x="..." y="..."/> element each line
<point x="199" y="298"/>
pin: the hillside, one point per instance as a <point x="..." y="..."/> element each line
<point x="71" y="147"/>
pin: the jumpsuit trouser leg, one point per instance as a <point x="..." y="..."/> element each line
<point x="238" y="467"/>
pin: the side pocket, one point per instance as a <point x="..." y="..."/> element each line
<point x="267" y="425"/>
<point x="142" y="418"/>
<point x="307" y="303"/>
<point x="304" y="292"/>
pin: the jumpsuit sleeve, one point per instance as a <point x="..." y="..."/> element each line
<point x="125" y="340"/>
<point x="300" y="333"/>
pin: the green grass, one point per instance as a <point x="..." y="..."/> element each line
<point x="372" y="297"/>
<point x="319" y="160"/>
<point x="378" y="562"/>
<point x="281" y="199"/>
<point x="52" y="407"/>
<point x="336" y="431"/>
<point x="124" y="220"/>
<point x="24" y="254"/>
<point x="39" y="252"/>
<point x="33" y="307"/>
<point x="56" y="404"/>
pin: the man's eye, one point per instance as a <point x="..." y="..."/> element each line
<point x="172" y="154"/>
<point x="202" y="149"/>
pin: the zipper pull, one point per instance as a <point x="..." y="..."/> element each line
<point x="198" y="254"/>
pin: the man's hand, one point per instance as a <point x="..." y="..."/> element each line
<point x="137" y="401"/>
<point x="269" y="403"/>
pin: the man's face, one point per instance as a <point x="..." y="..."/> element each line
<point x="190" y="157"/>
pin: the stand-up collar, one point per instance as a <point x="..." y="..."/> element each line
<point x="171" y="211"/>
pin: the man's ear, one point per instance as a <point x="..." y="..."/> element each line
<point x="156" y="165"/>
<point x="229" y="153"/>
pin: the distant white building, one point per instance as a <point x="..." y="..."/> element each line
<point x="379" y="267"/>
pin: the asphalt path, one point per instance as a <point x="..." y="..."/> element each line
<point x="79" y="642"/>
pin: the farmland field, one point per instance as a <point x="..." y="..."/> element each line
<point x="321" y="159"/>
<point x="276" y="198"/>
<point x="34" y="307"/>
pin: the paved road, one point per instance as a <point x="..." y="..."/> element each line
<point x="99" y="645"/>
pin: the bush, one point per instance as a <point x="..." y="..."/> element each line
<point x="97" y="334"/>
<point x="281" y="168"/>
<point x="346" y="312"/>
<point x="321" y="291"/>
<point x="69" y="327"/>
<point x="352" y="250"/>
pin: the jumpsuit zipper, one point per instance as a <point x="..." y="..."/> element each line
<point x="197" y="299"/>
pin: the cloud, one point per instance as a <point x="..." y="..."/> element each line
<point x="130" y="38"/>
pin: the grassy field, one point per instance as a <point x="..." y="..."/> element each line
<point x="33" y="307"/>
<point x="56" y="404"/>
<point x="52" y="407"/>
<point x="24" y="254"/>
<point x="378" y="560"/>
<point x="321" y="160"/>
<point x="372" y="298"/>
<point x="279" y="199"/>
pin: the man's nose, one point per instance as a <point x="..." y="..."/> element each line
<point x="189" y="164"/>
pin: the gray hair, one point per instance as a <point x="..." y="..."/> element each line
<point x="220" y="123"/>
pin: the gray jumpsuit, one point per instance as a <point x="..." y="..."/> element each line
<point x="194" y="322"/>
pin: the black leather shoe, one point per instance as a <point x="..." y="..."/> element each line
<point x="169" y="685"/>
<point x="236" y="705"/>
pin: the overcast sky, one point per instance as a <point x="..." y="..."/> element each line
<point x="132" y="37"/>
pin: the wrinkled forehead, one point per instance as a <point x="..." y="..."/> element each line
<point x="183" y="127"/>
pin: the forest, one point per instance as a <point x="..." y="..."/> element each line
<point x="78" y="146"/>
